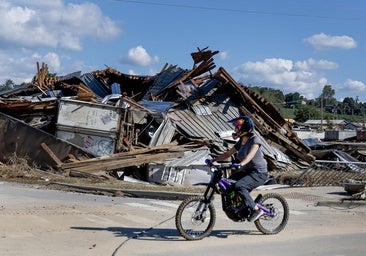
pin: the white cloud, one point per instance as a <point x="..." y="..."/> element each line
<point x="36" y="30"/>
<point x="76" y="66"/>
<point x="304" y="77"/>
<point x="34" y="24"/>
<point x="132" y="72"/>
<point x="53" y="62"/>
<point x="354" y="86"/>
<point x="312" y="64"/>
<point x="323" y="42"/>
<point x="224" y="55"/>
<point x="87" y="19"/>
<point x="22" y="68"/>
<point x="53" y="3"/>
<point x="138" y="56"/>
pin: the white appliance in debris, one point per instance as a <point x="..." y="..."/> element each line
<point x="91" y="126"/>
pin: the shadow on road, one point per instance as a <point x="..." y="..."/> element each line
<point x="162" y="234"/>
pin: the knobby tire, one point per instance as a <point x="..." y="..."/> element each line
<point x="188" y="221"/>
<point x="268" y="225"/>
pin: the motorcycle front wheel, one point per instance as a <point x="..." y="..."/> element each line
<point x="195" y="218"/>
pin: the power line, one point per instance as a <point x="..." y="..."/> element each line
<point x="236" y="10"/>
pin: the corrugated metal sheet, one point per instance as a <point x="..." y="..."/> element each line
<point x="201" y="110"/>
<point x="207" y="86"/>
<point x="343" y="156"/>
<point x="187" y="89"/>
<point x="324" y="122"/>
<point x="164" y="79"/>
<point x="157" y="106"/>
<point x="210" y="127"/>
<point x="187" y="170"/>
<point x="76" y="74"/>
<point x="95" y="85"/>
<point x="163" y="134"/>
<point x="198" y="126"/>
<point x="314" y="143"/>
<point x="190" y="158"/>
<point x="204" y="126"/>
<point x="275" y="153"/>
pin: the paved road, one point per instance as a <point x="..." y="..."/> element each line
<point x="35" y="221"/>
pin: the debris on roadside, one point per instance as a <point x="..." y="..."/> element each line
<point x="359" y="196"/>
<point x="158" y="128"/>
<point x="354" y="186"/>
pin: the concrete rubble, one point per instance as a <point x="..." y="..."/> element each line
<point x="158" y="128"/>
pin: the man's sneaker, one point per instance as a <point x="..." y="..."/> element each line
<point x="255" y="215"/>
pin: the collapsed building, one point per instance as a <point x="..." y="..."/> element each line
<point x="159" y="128"/>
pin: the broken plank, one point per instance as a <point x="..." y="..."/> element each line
<point x="114" y="164"/>
<point x="51" y="154"/>
<point x="79" y="174"/>
<point x="124" y="155"/>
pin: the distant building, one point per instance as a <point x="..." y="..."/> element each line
<point x="326" y="124"/>
<point x="358" y="126"/>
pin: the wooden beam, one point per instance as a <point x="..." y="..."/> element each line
<point x="51" y="154"/>
<point x="114" y="164"/>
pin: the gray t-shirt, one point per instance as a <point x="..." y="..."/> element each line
<point x="258" y="162"/>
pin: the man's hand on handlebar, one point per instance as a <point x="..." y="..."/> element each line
<point x="235" y="166"/>
<point x="209" y="162"/>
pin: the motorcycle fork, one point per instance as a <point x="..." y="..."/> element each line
<point x="209" y="194"/>
<point x="208" y="197"/>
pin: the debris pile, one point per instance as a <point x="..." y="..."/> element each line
<point x="160" y="127"/>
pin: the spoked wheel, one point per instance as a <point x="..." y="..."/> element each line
<point x="278" y="206"/>
<point x="195" y="219"/>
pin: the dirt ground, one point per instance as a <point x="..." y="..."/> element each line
<point x="42" y="222"/>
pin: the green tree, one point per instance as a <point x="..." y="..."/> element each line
<point x="326" y="98"/>
<point x="9" y="84"/>
<point x="275" y="97"/>
<point x="293" y="100"/>
<point x="349" y="105"/>
<point x="305" y="113"/>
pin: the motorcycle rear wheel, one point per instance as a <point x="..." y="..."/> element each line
<point x="279" y="206"/>
<point x="195" y="218"/>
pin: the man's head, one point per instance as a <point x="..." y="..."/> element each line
<point x="243" y="126"/>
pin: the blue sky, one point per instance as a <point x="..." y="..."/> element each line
<point x="293" y="46"/>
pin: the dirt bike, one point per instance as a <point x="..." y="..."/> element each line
<point x="196" y="215"/>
